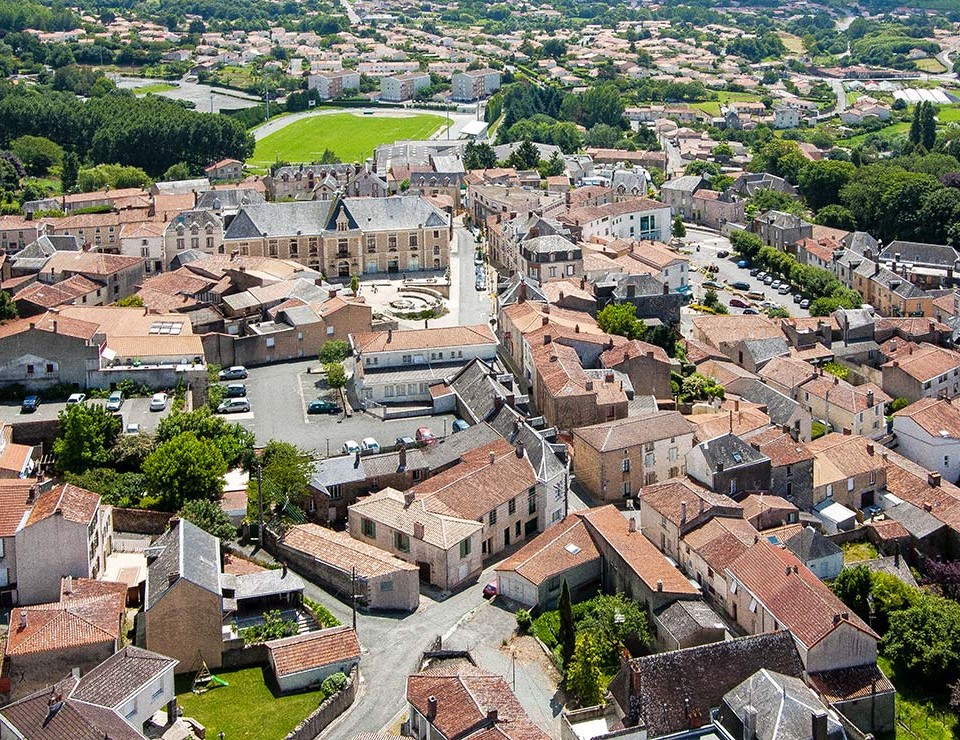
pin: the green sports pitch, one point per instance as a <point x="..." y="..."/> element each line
<point x="352" y="136"/>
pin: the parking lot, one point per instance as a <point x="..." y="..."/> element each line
<point x="134" y="411"/>
<point x="279" y="395"/>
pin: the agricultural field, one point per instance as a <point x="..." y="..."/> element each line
<point x="793" y="43"/>
<point x="352" y="136"/>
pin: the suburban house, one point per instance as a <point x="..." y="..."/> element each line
<point x="450" y="697"/>
<point x="924" y="372"/>
<point x="400" y="366"/>
<point x="445" y="548"/>
<point x="670" y="509"/>
<point x="631" y="564"/>
<point x="224" y="169"/>
<point x="81" y="629"/>
<point x="68" y="532"/>
<point x="345" y="566"/>
<point x="183" y="606"/>
<point x="534" y="574"/>
<point x="928" y="432"/>
<point x="301" y="661"/>
<point x="615" y="459"/>
<point x="115" y="699"/>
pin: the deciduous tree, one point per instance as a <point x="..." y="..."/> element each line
<point x="210" y="517"/>
<point x="87" y="432"/>
<point x="182" y="469"/>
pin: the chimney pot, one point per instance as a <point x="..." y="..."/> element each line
<point x="683" y="512"/>
<point x="933" y="478"/>
<point x="492" y="714"/>
<point x="659" y="585"/>
<point x="418" y="530"/>
<point x="431" y="707"/>
<point x="493" y="457"/>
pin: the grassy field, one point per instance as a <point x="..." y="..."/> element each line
<point x="793" y="43"/>
<point x="246" y="709"/>
<point x="352" y="137"/>
<point x="917" y="715"/>
<point x="930" y="65"/>
<point x="712" y="107"/>
<point x="892" y="130"/>
<point x="948" y="114"/>
<point x="156" y="87"/>
<point x="855" y="551"/>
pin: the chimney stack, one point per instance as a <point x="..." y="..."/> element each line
<point x="402" y="457"/>
<point x="519" y="450"/>
<point x="631" y="525"/>
<point x="389" y="335"/>
<point x="818" y="725"/>
<point x="869" y="399"/>
<point x="493" y="457"/>
<point x="683" y="512"/>
<point x="431" y="707"/>
<point x="23" y="618"/>
<point x="418" y="530"/>
<point x="68" y="585"/>
<point x="870" y="448"/>
<point x="749" y="723"/>
<point x="933" y="478"/>
<point x="356" y="459"/>
<point x="492" y="714"/>
<point x="408" y="498"/>
<point x="659" y="585"/>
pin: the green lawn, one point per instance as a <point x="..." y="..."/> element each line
<point x="930" y="64"/>
<point x="949" y="114"/>
<point x="887" y="131"/>
<point x="246" y="709"/>
<point x="352" y="137"/>
<point x="712" y="107"/>
<point x="855" y="551"/>
<point x="156" y="87"/>
<point x="917" y="715"/>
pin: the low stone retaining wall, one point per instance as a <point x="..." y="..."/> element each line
<point x="322" y="716"/>
<point x="141" y="521"/>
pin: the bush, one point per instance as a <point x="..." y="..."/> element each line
<point x="323" y="615"/>
<point x="273" y="627"/>
<point x="524" y="620"/>
<point x="333" y="684"/>
<point x="546" y="627"/>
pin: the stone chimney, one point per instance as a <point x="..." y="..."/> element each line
<point x="631" y="525"/>
<point x="418" y="530"/>
<point x="547" y="338"/>
<point x="408" y="498"/>
<point x="933" y="478"/>
<point x="818" y="725"/>
<point x="389" y="335"/>
<point x="683" y="512"/>
<point x="356" y="459"/>
<point x="870" y="448"/>
<point x="431" y="707"/>
<point x="23" y="618"/>
<point x="492" y="715"/>
<point x="869" y="399"/>
<point x="402" y="457"/>
<point x="493" y="457"/>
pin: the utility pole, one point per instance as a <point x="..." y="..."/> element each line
<point x="353" y="595"/>
<point x="259" y="506"/>
<point x="266" y="95"/>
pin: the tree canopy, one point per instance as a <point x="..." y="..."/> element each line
<point x="87" y="432"/>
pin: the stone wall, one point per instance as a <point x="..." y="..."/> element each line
<point x="323" y="715"/>
<point x="141" y="521"/>
<point x="237" y="655"/>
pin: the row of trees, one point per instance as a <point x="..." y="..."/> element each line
<point x="151" y="133"/>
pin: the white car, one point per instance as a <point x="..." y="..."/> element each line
<point x="158" y="402"/>
<point x="350" y="447"/>
<point x="233" y="406"/>
<point x="769" y="304"/>
<point x="369" y="444"/>
<point x="76" y="398"/>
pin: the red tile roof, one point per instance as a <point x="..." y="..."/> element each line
<point x="567" y="544"/>
<point x="14" y="495"/>
<point x="667" y="498"/>
<point x="637" y="551"/>
<point x="423" y="339"/>
<point x="798" y="600"/>
<point x="311" y="650"/>
<point x="75" y="504"/>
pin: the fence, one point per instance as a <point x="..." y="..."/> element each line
<point x="329" y="710"/>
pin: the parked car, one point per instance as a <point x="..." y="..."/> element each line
<point x="743" y="263"/>
<point x="768" y="280"/>
<point x="481" y="285"/>
<point x="369" y="444"/>
<point x="769" y="304"/>
<point x="776" y="284"/>
<point x="405" y="442"/>
<point x="797" y="297"/>
<point x="459" y="425"/>
<point x="805" y="303"/>
<point x="738" y="303"/>
<point x="756" y="295"/>
<point x="784" y="289"/>
<point x="762" y="275"/>
<point x="76" y="398"/>
<point x="235" y="390"/>
<point x="740" y="285"/>
<point x="350" y="447"/>
<point x="723" y="253"/>
<point x="426" y="436"/>
<point x="29" y="404"/>
<point x="115" y="402"/>
<point x="490" y="590"/>
<point x="158" y="402"/>
<point x="233" y="406"/>
<point x="322" y="406"/>
<point x="478" y="258"/>
<point x="132" y="428"/>
<point x="237" y="372"/>
<point x="712" y="284"/>
<point x="755" y="272"/>
<point x="750" y="312"/>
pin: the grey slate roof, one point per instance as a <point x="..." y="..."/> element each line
<point x="186" y="257"/>
<point x="729" y="450"/>
<point x="280" y="219"/>
<point x="784" y="707"/>
<point x="228" y="200"/>
<point x="448" y="451"/>
<point x="764" y="350"/>
<point x="477" y="389"/>
<point x="187" y="552"/>
<point x="894" y="566"/>
<point x="121" y="675"/>
<point x="665" y="704"/>
<point x="685" y="184"/>
<point x="549" y="244"/>
<point x="916" y="521"/>
<point x="541" y="453"/>
<point x="684" y="619"/>
<point x="779" y="407"/>
<point x="859" y="242"/>
<point x="808" y="544"/>
<point x="332" y="471"/>
<point x="266" y="583"/>
<point x="396" y="212"/>
<point x="510" y="294"/>
<point x="926" y="254"/>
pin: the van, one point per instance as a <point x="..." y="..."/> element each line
<point x="755" y="295"/>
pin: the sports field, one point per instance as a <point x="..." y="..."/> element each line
<point x="352" y="137"/>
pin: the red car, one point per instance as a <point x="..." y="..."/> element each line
<point x="426" y="436"/>
<point x="490" y="590"/>
<point x="737" y="303"/>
